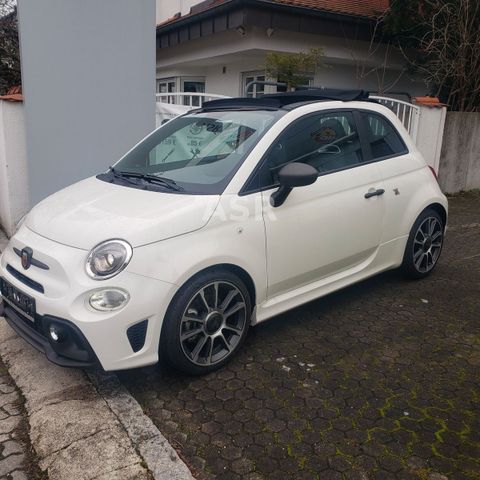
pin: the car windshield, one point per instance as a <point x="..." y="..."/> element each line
<point x="195" y="153"/>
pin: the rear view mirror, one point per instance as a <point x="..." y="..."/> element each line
<point x="290" y="176"/>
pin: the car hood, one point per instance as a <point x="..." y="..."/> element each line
<point x="92" y="211"/>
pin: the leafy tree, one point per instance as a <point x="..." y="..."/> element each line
<point x="441" y="40"/>
<point x="290" y="68"/>
<point x="9" y="46"/>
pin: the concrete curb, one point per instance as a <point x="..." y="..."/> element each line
<point x="161" y="458"/>
<point x="86" y="425"/>
<point x="73" y="430"/>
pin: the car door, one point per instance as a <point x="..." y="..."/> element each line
<point x="328" y="228"/>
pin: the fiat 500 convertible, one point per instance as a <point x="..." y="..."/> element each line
<point x="218" y="220"/>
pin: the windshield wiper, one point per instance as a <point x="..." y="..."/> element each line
<point x="164" y="182"/>
<point x="123" y="176"/>
<point x="167" y="182"/>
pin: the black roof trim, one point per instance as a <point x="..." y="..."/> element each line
<point x="242" y="103"/>
<point x="280" y="100"/>
<point x="320" y="94"/>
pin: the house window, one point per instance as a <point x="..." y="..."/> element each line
<point x="253" y="90"/>
<point x="166" y="85"/>
<point x="258" y="90"/>
<point x="172" y="85"/>
<point x="193" y="85"/>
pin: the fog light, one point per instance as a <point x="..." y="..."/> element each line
<point x="55" y="333"/>
<point x="109" y="300"/>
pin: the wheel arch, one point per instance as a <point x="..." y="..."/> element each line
<point x="232" y="268"/>
<point x="440" y="209"/>
<point x="165" y="340"/>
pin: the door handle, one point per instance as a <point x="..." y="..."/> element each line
<point x="374" y="193"/>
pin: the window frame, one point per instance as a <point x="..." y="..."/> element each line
<point x="362" y="135"/>
<point x="166" y="81"/>
<point x="362" y="131"/>
<point x="210" y="189"/>
<point x="255" y="74"/>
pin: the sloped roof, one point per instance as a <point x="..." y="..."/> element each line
<point x="364" y="8"/>
<point x="360" y="8"/>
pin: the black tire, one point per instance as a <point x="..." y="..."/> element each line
<point x="179" y="343"/>
<point x="419" y="260"/>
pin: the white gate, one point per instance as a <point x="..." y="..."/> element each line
<point x="408" y="113"/>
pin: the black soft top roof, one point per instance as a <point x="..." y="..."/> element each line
<point x="279" y="100"/>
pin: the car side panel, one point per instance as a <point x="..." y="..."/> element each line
<point x="410" y="188"/>
<point x="234" y="235"/>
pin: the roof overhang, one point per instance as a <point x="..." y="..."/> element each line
<point x="234" y="14"/>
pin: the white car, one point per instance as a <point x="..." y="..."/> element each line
<point x="218" y="220"/>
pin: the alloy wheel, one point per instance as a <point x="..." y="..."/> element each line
<point x="427" y="244"/>
<point x="213" y="323"/>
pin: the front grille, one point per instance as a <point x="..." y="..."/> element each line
<point x="24" y="279"/>
<point x="136" y="335"/>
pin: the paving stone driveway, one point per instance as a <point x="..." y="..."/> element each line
<point x="17" y="460"/>
<point x="379" y="381"/>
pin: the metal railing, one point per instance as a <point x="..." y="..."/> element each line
<point x="408" y="113"/>
<point x="187" y="99"/>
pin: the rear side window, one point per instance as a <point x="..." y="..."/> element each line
<point x="382" y="137"/>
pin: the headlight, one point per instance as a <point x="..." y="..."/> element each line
<point x="108" y="259"/>
<point x="109" y="299"/>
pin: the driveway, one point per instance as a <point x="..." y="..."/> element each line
<point x="378" y="381"/>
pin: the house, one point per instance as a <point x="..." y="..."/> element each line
<point x="219" y="46"/>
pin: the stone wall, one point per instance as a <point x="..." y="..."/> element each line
<point x="460" y="158"/>
<point x="14" y="199"/>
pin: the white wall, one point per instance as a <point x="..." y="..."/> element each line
<point x="460" y="159"/>
<point x="347" y="61"/>
<point x="331" y="76"/>
<point x="13" y="165"/>
<point x="89" y="83"/>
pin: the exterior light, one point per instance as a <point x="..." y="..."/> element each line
<point x="56" y="333"/>
<point x="108" y="300"/>
<point x="108" y="259"/>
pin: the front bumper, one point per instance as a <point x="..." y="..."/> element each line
<point x="123" y="339"/>
<point x="73" y="351"/>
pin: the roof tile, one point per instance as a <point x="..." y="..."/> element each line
<point x="362" y="8"/>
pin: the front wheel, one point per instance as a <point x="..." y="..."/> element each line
<point x="207" y="322"/>
<point x="424" y="245"/>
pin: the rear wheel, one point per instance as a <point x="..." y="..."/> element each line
<point x="207" y="322"/>
<point x="424" y="245"/>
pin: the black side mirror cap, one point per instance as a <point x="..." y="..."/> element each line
<point x="290" y="176"/>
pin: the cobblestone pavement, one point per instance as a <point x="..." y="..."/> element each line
<point x="379" y="381"/>
<point x="17" y="460"/>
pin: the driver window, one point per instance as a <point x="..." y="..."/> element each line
<point x="327" y="141"/>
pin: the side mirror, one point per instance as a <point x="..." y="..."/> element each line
<point x="290" y="176"/>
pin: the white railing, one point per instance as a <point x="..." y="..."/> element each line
<point x="408" y="113"/>
<point x="187" y="99"/>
